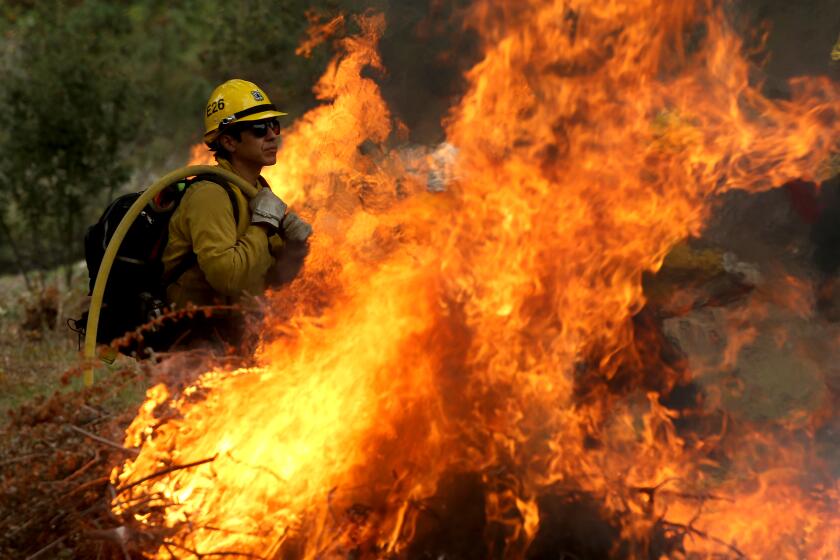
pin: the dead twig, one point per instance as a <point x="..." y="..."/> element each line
<point x="650" y="491"/>
<point x="704" y="535"/>
<point x="104" y="441"/>
<point x="79" y="472"/>
<point x="163" y="472"/>
<point x="20" y="458"/>
<point x="100" y="415"/>
<point x="698" y="497"/>
<point x="156" y="497"/>
<point x="200" y="555"/>
<point x="86" y="485"/>
<point x="170" y="316"/>
<point x="132" y="501"/>
<point x="55" y="543"/>
<point x="92" y="409"/>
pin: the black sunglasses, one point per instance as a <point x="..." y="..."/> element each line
<point x="260" y="128"/>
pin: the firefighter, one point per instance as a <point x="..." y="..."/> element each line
<point x="216" y="258"/>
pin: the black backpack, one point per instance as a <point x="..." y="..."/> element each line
<point x="135" y="292"/>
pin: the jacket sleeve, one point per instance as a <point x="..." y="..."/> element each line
<point x="232" y="266"/>
<point x="275" y="245"/>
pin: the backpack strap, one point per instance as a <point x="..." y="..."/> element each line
<point x="191" y="259"/>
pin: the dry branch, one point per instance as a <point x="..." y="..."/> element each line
<point x="165" y="471"/>
<point x="83" y="468"/>
<point x="103" y="440"/>
<point x="56" y="542"/>
<point x="689" y="529"/>
<point x="89" y="484"/>
<point x="200" y="555"/>
<point x="21" y="458"/>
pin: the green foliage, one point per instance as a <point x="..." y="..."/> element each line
<point x="64" y="118"/>
<point x="100" y="94"/>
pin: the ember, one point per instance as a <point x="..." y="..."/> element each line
<point x="486" y="331"/>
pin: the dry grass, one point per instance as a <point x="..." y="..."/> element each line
<point x="37" y="347"/>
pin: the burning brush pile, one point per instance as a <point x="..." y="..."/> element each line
<point x="468" y="367"/>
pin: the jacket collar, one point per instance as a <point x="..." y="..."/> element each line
<point x="225" y="164"/>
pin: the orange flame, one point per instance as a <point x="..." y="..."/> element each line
<point x="487" y="328"/>
<point x="318" y="32"/>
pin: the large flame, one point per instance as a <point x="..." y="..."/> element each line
<point x="486" y="328"/>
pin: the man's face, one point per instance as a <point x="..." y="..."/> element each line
<point x="257" y="144"/>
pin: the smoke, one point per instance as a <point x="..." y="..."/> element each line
<point x="427" y="49"/>
<point x="429" y="45"/>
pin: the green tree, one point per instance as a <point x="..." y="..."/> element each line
<point x="256" y="40"/>
<point x="68" y="108"/>
<point x="99" y="95"/>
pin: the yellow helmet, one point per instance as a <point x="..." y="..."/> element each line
<point x="235" y="101"/>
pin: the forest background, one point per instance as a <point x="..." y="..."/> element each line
<point x="101" y="97"/>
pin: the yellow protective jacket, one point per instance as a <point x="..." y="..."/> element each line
<point x="233" y="257"/>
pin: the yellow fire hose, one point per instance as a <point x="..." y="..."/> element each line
<point x="119" y="234"/>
